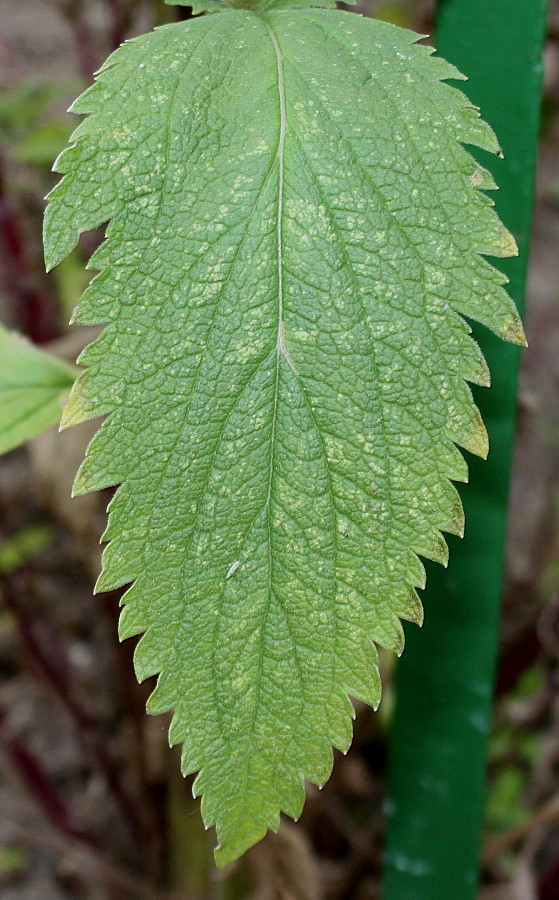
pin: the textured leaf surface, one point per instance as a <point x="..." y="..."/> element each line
<point x="296" y="231"/>
<point x="33" y="388"/>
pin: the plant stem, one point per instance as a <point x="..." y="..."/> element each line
<point x="152" y="794"/>
<point x="84" y="45"/>
<point x="439" y="740"/>
<point x="87" y="728"/>
<point x="35" y="312"/>
<point x="118" y="25"/>
<point x="88" y="857"/>
<point x="40" y="786"/>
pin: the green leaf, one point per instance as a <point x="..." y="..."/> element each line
<point x="296" y="231"/>
<point x="13" y="860"/>
<point x="23" y="105"/>
<point x="33" y="389"/>
<point x="42" y="143"/>
<point x="23" y="545"/>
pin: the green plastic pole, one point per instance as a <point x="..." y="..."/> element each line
<point x="444" y="683"/>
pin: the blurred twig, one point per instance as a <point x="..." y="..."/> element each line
<point x="91" y="859"/>
<point x="83" y="38"/>
<point x="87" y="728"/>
<point x="499" y="845"/>
<point x="34" y="310"/>
<point x="119" y="22"/>
<point x="39" y="785"/>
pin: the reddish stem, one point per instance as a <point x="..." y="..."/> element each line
<point x="517" y="659"/>
<point x="118" y="27"/>
<point x="87" y="727"/>
<point x="40" y="786"/>
<point x="35" y="313"/>
<point x="548" y="887"/>
<point x="87" y="58"/>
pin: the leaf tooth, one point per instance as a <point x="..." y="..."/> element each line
<point x="361" y="679"/>
<point x="178" y="730"/>
<point x="452" y="510"/>
<point x="476" y="438"/>
<point x="413" y="611"/>
<point x="469" y="127"/>
<point x="92" y="478"/>
<point x="451" y="461"/>
<point x="480" y="374"/>
<point x="103" y="468"/>
<point x="118" y="570"/>
<point x="340" y="721"/>
<point x="389" y="633"/>
<point x="465" y="355"/>
<point x="482" y="179"/>
<point x="58" y="244"/>
<point x="493" y="239"/>
<point x="240" y="832"/>
<point x="457" y="523"/>
<point x="81" y="407"/>
<point x="129" y="625"/>
<point x="293" y="806"/>
<point x="465" y="426"/>
<point x="317" y="770"/>
<point x="442" y="69"/>
<point x="113" y="581"/>
<point x="504" y="243"/>
<point x="229" y="851"/>
<point x="163" y="698"/>
<point x="433" y="546"/>
<point x="68" y="160"/>
<point x="416" y="575"/>
<point x="513" y="330"/>
<point x="191" y="759"/>
<point x="88" y="103"/>
<point x="148" y="662"/>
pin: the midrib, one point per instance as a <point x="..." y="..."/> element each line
<point x="281" y="346"/>
<point x="280" y="343"/>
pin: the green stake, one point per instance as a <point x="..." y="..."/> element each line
<point x="437" y="771"/>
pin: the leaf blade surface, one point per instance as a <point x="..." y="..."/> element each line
<point x="295" y="232"/>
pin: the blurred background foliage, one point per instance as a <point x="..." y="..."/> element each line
<point x="91" y="803"/>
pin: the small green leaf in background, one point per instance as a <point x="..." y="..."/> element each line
<point x="396" y="13"/>
<point x="31" y="110"/>
<point x="42" y="144"/>
<point x="23" y="105"/>
<point x="33" y="387"/>
<point x="13" y="859"/>
<point x="72" y="278"/>
<point x="23" y="545"/>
